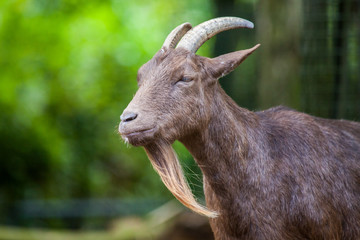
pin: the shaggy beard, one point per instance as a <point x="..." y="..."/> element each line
<point x="166" y="164"/>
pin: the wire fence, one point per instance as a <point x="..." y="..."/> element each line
<point x="331" y="58"/>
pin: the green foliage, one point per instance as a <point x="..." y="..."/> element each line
<point x="67" y="70"/>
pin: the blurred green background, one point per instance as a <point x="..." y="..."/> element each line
<point x="68" y="69"/>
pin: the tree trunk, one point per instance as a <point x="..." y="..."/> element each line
<point x="278" y="31"/>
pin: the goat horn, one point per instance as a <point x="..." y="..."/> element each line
<point x="197" y="36"/>
<point x="176" y="34"/>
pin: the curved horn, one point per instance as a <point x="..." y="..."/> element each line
<point x="197" y="36"/>
<point x="173" y="38"/>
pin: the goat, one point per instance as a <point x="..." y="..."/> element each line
<point x="273" y="174"/>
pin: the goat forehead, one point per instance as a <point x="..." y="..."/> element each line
<point x="171" y="61"/>
<point x="162" y="68"/>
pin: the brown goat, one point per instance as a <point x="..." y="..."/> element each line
<point x="275" y="174"/>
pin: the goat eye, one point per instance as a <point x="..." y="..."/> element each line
<point x="184" y="79"/>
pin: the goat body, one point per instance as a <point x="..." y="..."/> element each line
<point x="275" y="174"/>
<point x="279" y="174"/>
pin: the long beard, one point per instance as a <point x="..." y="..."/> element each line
<point x="166" y="164"/>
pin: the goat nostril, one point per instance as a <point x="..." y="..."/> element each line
<point x="127" y="117"/>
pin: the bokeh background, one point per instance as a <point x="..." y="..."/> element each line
<point x="68" y="69"/>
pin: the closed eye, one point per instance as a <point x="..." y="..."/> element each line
<point x="184" y="79"/>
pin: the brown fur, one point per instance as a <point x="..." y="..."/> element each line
<point x="276" y="174"/>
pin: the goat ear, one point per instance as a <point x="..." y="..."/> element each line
<point x="224" y="64"/>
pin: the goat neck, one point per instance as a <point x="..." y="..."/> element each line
<point x="221" y="148"/>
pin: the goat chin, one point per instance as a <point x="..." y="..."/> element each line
<point x="166" y="164"/>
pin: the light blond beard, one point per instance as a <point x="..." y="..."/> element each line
<point x="166" y="164"/>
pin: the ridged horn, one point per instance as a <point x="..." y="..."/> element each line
<point x="197" y="36"/>
<point x="173" y="38"/>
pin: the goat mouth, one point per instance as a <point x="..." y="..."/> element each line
<point x="139" y="137"/>
<point x="134" y="133"/>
